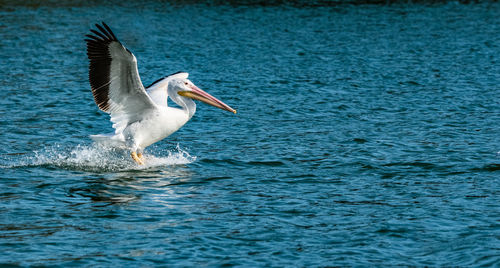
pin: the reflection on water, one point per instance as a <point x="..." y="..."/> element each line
<point x="131" y="185"/>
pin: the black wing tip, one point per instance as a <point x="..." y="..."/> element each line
<point x="104" y="24"/>
<point x="107" y="27"/>
<point x="102" y="34"/>
<point x="107" y="31"/>
<point x="98" y="41"/>
<point x="100" y="88"/>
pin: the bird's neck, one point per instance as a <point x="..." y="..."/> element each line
<point x="187" y="104"/>
<point x="189" y="107"/>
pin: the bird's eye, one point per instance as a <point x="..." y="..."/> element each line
<point x="186" y="83"/>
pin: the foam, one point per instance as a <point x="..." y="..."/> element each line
<point x="98" y="158"/>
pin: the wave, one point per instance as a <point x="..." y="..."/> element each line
<point x="97" y="158"/>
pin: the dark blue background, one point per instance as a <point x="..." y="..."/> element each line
<point x="365" y="135"/>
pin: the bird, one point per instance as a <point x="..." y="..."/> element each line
<point x="140" y="115"/>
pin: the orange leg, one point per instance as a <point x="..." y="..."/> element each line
<point x="138" y="158"/>
<point x="141" y="157"/>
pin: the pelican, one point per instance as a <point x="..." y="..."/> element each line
<point x="140" y="115"/>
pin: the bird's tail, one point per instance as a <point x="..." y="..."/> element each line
<point x="110" y="139"/>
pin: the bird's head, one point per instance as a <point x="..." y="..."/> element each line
<point x="185" y="88"/>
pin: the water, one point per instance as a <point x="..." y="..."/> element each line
<point x="365" y="135"/>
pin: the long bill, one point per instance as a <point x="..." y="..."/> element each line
<point x="198" y="94"/>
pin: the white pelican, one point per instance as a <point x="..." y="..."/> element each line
<point x="140" y="115"/>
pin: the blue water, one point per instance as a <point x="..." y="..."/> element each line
<point x="366" y="135"/>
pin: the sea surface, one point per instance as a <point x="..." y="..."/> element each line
<point x="366" y="135"/>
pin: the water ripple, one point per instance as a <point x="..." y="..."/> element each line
<point x="366" y="135"/>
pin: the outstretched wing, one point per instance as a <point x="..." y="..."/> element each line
<point x="114" y="79"/>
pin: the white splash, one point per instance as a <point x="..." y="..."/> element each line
<point x="98" y="158"/>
